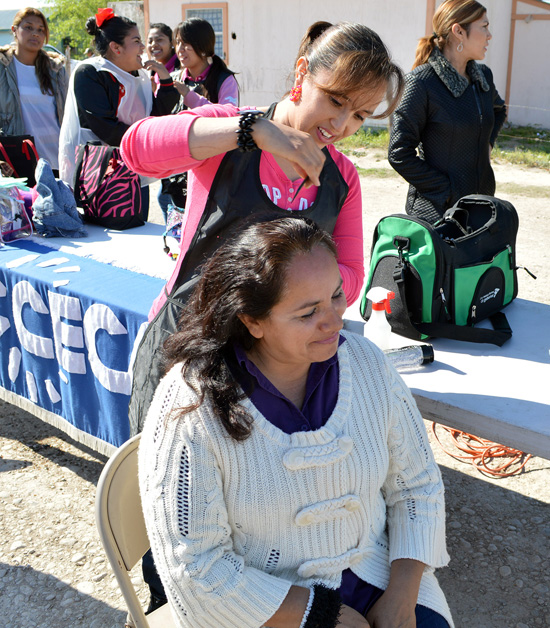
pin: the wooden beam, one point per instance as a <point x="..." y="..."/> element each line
<point x="146" y="16"/>
<point x="511" y="52"/>
<point x="430" y="10"/>
<point x="537" y="3"/>
<point x="532" y="16"/>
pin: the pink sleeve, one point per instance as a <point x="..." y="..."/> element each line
<point x="159" y="147"/>
<point x="348" y="231"/>
<point x="229" y="95"/>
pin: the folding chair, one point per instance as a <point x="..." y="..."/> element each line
<point x="119" y="519"/>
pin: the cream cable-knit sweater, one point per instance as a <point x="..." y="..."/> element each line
<point x="234" y="525"/>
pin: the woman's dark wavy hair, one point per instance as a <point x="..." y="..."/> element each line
<point x="199" y="33"/>
<point x="356" y="58"/>
<point x="114" y="29"/>
<point x="247" y="275"/>
<point x="42" y="62"/>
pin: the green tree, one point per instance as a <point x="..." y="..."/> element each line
<point x="67" y="18"/>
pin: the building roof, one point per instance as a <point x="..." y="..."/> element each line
<point x="6" y="19"/>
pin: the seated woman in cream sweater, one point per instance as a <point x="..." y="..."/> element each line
<point x="286" y="476"/>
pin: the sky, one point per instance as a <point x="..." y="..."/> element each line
<point x="21" y="4"/>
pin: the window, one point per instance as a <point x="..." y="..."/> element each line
<point x="216" y="14"/>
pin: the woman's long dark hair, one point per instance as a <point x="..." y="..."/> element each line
<point x="42" y="63"/>
<point x="199" y="33"/>
<point x="246" y="276"/>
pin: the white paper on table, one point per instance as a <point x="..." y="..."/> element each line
<point x="21" y="260"/>
<point x="53" y="262"/>
<point x="67" y="269"/>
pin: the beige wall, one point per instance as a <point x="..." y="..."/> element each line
<point x="267" y="35"/>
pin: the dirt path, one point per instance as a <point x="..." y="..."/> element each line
<point x="53" y="572"/>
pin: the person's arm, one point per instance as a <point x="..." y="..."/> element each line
<point x="228" y="94"/>
<point x="348" y="231"/>
<point x="96" y="95"/>
<point x="408" y="123"/>
<point x="169" y="145"/>
<point x="499" y="108"/>
<point x="396" y="607"/>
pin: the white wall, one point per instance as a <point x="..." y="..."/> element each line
<point x="267" y="34"/>
<point x="530" y="86"/>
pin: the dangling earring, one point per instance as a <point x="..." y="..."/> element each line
<point x="296" y="93"/>
<point x="460" y="47"/>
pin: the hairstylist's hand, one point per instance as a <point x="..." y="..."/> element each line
<point x="297" y="147"/>
<point x="158" y="67"/>
<point x="350" y="618"/>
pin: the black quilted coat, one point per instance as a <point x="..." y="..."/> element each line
<point x="453" y="123"/>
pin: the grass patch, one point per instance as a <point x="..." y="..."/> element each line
<point x="524" y="145"/>
<point x="519" y="145"/>
<point x="532" y="191"/>
<point x="381" y="173"/>
<point x="365" y="137"/>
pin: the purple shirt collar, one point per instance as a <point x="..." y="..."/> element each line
<point x="319" y="402"/>
<point x="199" y="78"/>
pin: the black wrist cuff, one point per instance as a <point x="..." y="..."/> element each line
<point x="325" y="610"/>
<point x="244" y="133"/>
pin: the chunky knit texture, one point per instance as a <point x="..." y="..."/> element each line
<point x="234" y="525"/>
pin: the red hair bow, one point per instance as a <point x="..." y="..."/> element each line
<point x="103" y="15"/>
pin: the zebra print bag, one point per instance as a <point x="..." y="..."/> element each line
<point x="106" y="189"/>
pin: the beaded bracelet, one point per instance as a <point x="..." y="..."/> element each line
<point x="244" y="140"/>
<point x="325" y="609"/>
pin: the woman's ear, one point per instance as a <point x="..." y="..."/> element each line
<point x="114" y="47"/>
<point x="301" y="70"/>
<point x="458" y="31"/>
<point x="252" y="324"/>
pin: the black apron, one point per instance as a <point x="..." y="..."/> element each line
<point x="236" y="195"/>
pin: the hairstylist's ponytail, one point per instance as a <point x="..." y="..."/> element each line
<point x="424" y="49"/>
<point x="312" y="33"/>
<point x="212" y="78"/>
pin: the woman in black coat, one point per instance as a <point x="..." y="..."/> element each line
<point x="450" y="115"/>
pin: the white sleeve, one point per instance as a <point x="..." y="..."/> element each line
<point x="181" y="482"/>
<point x="413" y="487"/>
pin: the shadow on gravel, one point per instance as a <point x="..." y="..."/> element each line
<point x="499" y="543"/>
<point x="51" y="443"/>
<point x="33" y="598"/>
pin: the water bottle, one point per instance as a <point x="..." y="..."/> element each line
<point x="410" y="358"/>
<point x="377" y="329"/>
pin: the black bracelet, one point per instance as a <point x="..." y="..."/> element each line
<point x="244" y="140"/>
<point x="325" y="610"/>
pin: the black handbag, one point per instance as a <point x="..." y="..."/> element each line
<point x="19" y="152"/>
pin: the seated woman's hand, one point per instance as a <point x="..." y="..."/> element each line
<point x="350" y="618"/>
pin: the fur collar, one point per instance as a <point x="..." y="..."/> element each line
<point x="454" y="82"/>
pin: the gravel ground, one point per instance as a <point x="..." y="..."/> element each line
<point x="53" y="571"/>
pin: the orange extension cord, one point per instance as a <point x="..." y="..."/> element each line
<point x="482" y="453"/>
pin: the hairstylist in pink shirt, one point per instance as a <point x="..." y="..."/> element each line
<point x="246" y="165"/>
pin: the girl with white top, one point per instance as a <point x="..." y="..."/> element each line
<point x="33" y="85"/>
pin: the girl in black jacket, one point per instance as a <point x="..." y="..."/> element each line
<point x="450" y="115"/>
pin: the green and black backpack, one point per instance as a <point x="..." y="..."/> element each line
<point x="449" y="276"/>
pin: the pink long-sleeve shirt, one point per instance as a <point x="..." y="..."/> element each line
<point x="159" y="147"/>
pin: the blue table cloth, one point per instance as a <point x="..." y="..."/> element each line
<point x="68" y="329"/>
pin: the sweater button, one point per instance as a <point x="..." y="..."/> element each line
<point x="353" y="505"/>
<point x="345" y="443"/>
